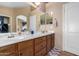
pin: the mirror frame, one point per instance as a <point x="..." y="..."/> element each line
<point x="19" y="17"/>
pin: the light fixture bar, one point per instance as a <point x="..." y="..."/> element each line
<point x="32" y="4"/>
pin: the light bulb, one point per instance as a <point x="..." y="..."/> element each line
<point x="37" y="3"/>
<point x="51" y="13"/>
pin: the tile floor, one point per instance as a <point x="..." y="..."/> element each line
<point x="57" y="52"/>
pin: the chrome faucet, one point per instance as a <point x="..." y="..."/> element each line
<point x="11" y="35"/>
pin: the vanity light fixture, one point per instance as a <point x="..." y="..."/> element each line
<point x="51" y="13"/>
<point x="37" y="3"/>
<point x="34" y="4"/>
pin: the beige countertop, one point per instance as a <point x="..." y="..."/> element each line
<point x="4" y="40"/>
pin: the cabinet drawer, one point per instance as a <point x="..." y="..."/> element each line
<point x="38" y="41"/>
<point x="25" y="44"/>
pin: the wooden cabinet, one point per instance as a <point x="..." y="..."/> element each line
<point x="33" y="47"/>
<point x="52" y="40"/>
<point x="42" y="52"/>
<point x="40" y="46"/>
<point x="49" y="43"/>
<point x="25" y="48"/>
<point x="10" y="50"/>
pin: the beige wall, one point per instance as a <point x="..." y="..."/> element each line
<point x="5" y="11"/>
<point x="57" y="13"/>
<point x="23" y="11"/>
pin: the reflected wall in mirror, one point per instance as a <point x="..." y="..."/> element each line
<point x="49" y="22"/>
<point x="42" y="19"/>
<point x="42" y="23"/>
<point x="46" y="22"/>
<point x="21" y="23"/>
<point x="49" y="19"/>
<point x="46" y="19"/>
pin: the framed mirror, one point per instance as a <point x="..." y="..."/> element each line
<point x="49" y="19"/>
<point x="21" y="23"/>
<point x="46" y="22"/>
<point x="4" y="24"/>
<point x="42" y="19"/>
<point x="46" y="19"/>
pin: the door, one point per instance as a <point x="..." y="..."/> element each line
<point x="71" y="28"/>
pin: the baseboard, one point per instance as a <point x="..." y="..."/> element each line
<point x="72" y="52"/>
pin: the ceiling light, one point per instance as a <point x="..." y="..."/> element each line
<point x="37" y="3"/>
<point x="51" y="13"/>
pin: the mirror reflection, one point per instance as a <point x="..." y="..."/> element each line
<point x="46" y="22"/>
<point x="42" y="19"/>
<point x="49" y="19"/>
<point x="21" y="23"/>
<point x="20" y="18"/>
<point x="46" y="19"/>
<point x="4" y="24"/>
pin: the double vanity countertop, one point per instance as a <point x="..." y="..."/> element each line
<point x="4" y="40"/>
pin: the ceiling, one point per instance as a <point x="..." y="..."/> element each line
<point x="18" y="4"/>
<point x="15" y="4"/>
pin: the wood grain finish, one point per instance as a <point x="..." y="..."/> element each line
<point x="49" y="42"/>
<point x="35" y="47"/>
<point x="41" y="53"/>
<point x="53" y="40"/>
<point x="10" y="50"/>
<point x="40" y="47"/>
<point x="25" y="48"/>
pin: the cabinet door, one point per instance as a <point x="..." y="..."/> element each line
<point x="53" y="38"/>
<point x="40" y="44"/>
<point x="26" y="51"/>
<point x="49" y="43"/>
<point x="26" y="48"/>
<point x="10" y="50"/>
<point x="43" y="51"/>
<point x="38" y="40"/>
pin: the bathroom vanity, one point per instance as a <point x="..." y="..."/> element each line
<point x="27" y="42"/>
<point x="27" y="45"/>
